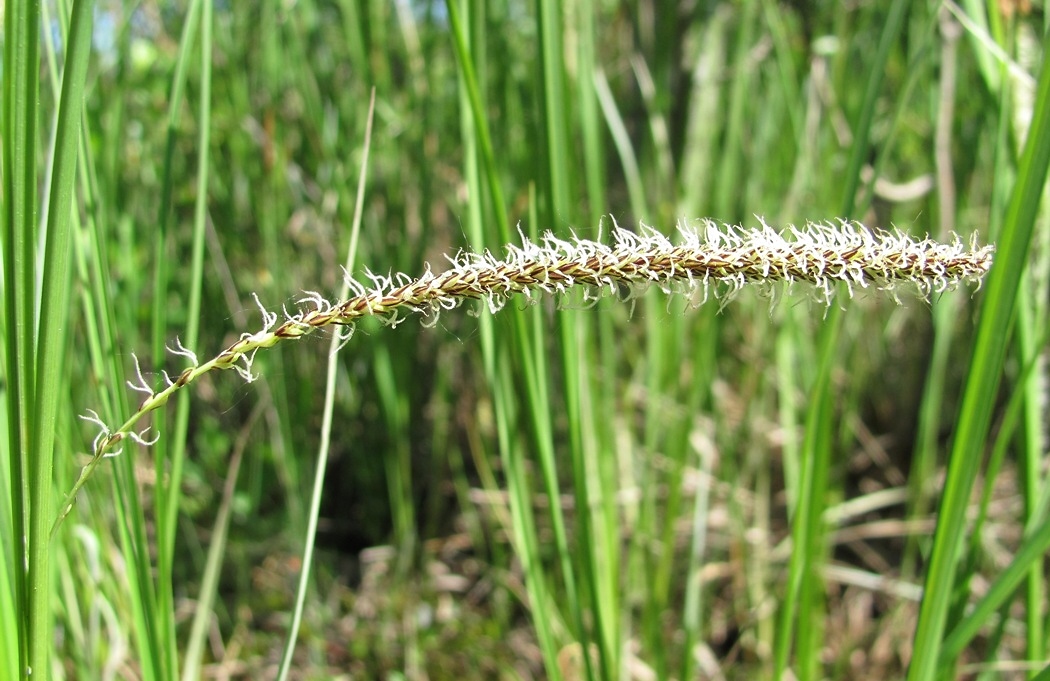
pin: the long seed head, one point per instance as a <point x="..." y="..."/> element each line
<point x="711" y="260"/>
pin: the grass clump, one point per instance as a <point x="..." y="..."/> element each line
<point x="829" y="487"/>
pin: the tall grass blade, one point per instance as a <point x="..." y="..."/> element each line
<point x="806" y="522"/>
<point x="173" y="458"/>
<point x="997" y="310"/>
<point x="485" y="180"/>
<point x="21" y="87"/>
<point x="46" y="378"/>
<point x="573" y="334"/>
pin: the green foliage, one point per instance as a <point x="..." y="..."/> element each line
<point x="624" y="489"/>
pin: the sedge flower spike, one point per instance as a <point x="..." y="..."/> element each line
<point x="711" y="260"/>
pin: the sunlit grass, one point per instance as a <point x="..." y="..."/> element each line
<point x="610" y="486"/>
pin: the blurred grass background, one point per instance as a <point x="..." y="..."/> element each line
<point x="641" y="489"/>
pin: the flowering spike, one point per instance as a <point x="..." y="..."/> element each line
<point x="710" y="260"/>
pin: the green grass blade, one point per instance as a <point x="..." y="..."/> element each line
<point x="1043" y="675"/>
<point x="806" y="522"/>
<point x="54" y="319"/>
<point x="590" y="113"/>
<point x="21" y="87"/>
<point x="727" y="196"/>
<point x="985" y="373"/>
<point x="203" y="612"/>
<point x="1031" y="553"/>
<point x="11" y="622"/>
<point x="622" y="142"/>
<point x="477" y="110"/>
<point x="1034" y="481"/>
<point x="173" y="459"/>
<point x="397" y="463"/>
<point x="482" y="181"/>
<point x="573" y="333"/>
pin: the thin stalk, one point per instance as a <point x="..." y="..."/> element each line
<point x="1031" y="461"/>
<point x="204" y="612"/>
<point x="326" y="422"/>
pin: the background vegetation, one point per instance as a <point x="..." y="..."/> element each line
<point x="641" y="489"/>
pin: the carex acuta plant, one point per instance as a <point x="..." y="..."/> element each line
<point x="709" y="261"/>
